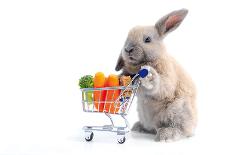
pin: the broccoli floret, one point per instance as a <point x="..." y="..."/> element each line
<point x="86" y="81"/>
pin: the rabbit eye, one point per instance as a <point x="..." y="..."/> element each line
<point x="147" y="39"/>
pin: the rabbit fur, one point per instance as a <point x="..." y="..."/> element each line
<point x="166" y="99"/>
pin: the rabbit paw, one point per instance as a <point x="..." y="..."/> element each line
<point x="138" y="127"/>
<point x="167" y="134"/>
<point x="148" y="81"/>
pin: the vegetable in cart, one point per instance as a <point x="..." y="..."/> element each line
<point x="87" y="82"/>
<point x="112" y="95"/>
<point x="99" y="96"/>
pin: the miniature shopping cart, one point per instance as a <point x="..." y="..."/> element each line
<point x="117" y="101"/>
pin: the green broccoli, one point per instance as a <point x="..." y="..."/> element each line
<point x="87" y="82"/>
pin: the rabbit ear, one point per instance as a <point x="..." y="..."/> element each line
<point x="170" y="22"/>
<point x="120" y="63"/>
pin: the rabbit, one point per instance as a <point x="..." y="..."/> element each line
<point x="166" y="100"/>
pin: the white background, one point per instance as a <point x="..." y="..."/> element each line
<point x="46" y="46"/>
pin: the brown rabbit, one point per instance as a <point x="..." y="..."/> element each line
<point x="166" y="99"/>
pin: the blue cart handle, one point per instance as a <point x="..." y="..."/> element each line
<point x="143" y="73"/>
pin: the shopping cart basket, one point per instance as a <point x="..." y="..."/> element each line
<point x="117" y="101"/>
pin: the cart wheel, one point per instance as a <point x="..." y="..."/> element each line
<point x="89" y="136"/>
<point x="122" y="140"/>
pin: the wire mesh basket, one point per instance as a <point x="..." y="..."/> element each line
<point x="113" y="100"/>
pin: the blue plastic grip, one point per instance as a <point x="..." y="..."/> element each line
<point x="143" y="73"/>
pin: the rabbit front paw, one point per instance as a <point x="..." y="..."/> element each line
<point x="138" y="127"/>
<point x="150" y="79"/>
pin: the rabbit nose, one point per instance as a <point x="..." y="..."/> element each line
<point x="129" y="49"/>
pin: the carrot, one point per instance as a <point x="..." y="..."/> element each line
<point x="99" y="95"/>
<point x="112" y="95"/>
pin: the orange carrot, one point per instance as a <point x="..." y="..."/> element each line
<point x="112" y="95"/>
<point x="99" y="95"/>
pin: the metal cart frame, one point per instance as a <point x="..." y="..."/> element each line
<point x="120" y="106"/>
